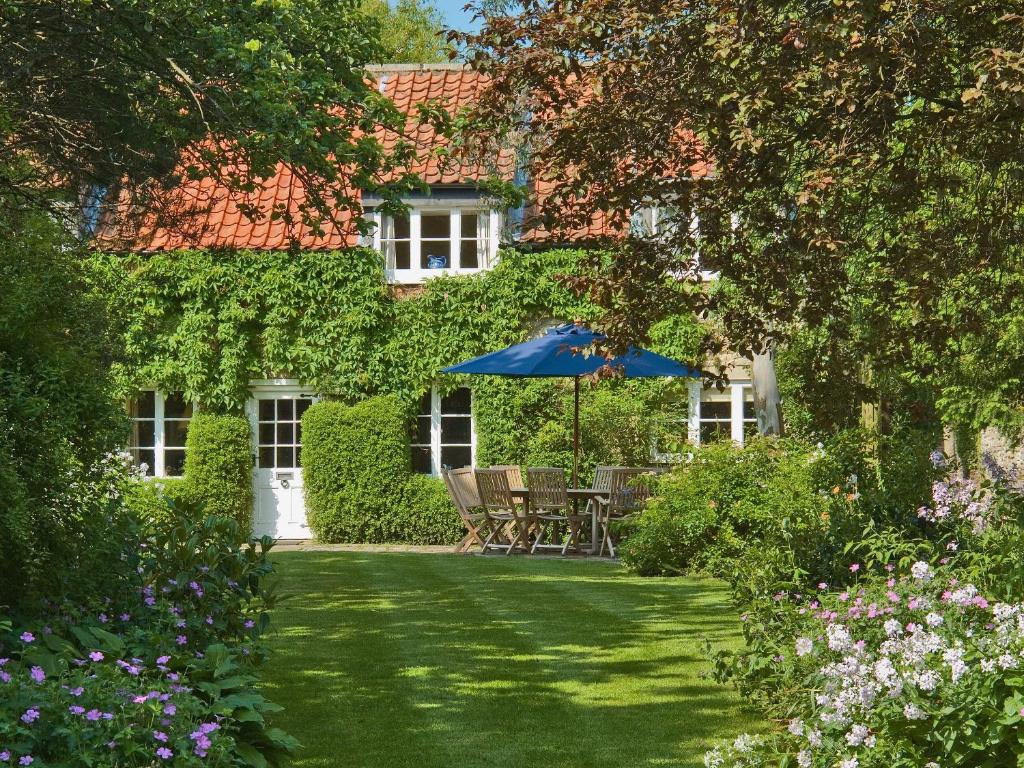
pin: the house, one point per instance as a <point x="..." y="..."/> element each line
<point x="455" y="229"/>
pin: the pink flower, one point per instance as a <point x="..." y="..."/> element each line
<point x="822" y="585"/>
<point x="164" y="753"/>
<point x="855" y="567"/>
<point x="96" y="656"/>
<point x="93" y="715"/>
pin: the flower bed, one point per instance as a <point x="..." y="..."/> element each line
<point x="159" y="670"/>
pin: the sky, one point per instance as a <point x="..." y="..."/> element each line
<point x="454" y="16"/>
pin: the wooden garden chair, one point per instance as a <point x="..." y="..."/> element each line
<point x="549" y="506"/>
<point x="626" y="497"/>
<point x="514" y="474"/>
<point x="501" y="508"/>
<point x="462" y="488"/>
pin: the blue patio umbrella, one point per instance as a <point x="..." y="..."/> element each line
<point x="559" y="353"/>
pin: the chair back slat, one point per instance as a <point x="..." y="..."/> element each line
<point x="455" y="493"/>
<point x="625" y="495"/>
<point x="547" y="488"/>
<point x="495" y="491"/>
<point x="514" y="474"/>
<point x="465" y="482"/>
<point x="603" y="478"/>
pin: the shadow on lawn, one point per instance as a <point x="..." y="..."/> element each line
<point x="416" y="660"/>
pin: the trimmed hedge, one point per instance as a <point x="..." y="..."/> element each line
<point x="218" y="467"/>
<point x="359" y="485"/>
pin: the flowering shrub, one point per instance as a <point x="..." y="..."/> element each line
<point x="161" y="669"/>
<point x="916" y="662"/>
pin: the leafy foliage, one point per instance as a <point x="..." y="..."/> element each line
<point x="358" y="480"/>
<point x="207" y="322"/>
<point x="215" y="88"/>
<point x="160" y="664"/>
<point x="218" y="467"/>
<point x="59" y="421"/>
<point x="411" y="32"/>
<point x="854" y="167"/>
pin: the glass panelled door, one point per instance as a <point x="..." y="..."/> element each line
<point x="276" y="415"/>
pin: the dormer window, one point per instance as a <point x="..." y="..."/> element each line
<point x="428" y="242"/>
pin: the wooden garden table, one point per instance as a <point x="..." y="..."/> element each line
<point x="576" y="494"/>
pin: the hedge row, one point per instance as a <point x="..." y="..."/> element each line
<point x="359" y="484"/>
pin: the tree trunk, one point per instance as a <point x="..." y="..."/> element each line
<point x="767" y="403"/>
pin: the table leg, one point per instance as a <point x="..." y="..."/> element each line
<point x="593" y="527"/>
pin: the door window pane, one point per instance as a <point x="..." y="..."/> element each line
<point x="279" y="432"/>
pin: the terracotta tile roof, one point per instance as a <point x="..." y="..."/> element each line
<point x="204" y="214"/>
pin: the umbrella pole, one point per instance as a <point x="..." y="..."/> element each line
<point x="576" y="433"/>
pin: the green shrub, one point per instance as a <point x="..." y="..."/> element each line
<point x="147" y="498"/>
<point x="358" y="481"/>
<point x="776" y="503"/>
<point x="218" y="467"/>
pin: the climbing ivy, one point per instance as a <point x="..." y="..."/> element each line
<point x="207" y="322"/>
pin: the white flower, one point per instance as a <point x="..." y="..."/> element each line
<point x="803" y="758"/>
<point x="796" y="726"/>
<point x="851" y="763"/>
<point x="714" y="759"/>
<point x="928" y="680"/>
<point x="921" y="571"/>
<point x="933" y="619"/>
<point x="804" y="646"/>
<point x="838" y="637"/>
<point x="913" y="712"/>
<point x="857" y="735"/>
<point x="814" y="738"/>
<point x="892" y="627"/>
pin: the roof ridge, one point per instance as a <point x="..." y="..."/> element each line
<point x="420" y="67"/>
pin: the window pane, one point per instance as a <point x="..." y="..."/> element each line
<point x="285" y="434"/>
<point x="401" y="225"/>
<point x="174" y="462"/>
<point x="175" y="407"/>
<point x="175" y="433"/>
<point x="143" y="406"/>
<point x="711" y="431"/>
<point x="457" y="402"/>
<point x="285" y="457"/>
<point x="436" y="225"/>
<point x="285" y="410"/>
<point x="266" y="457"/>
<point x="402" y="257"/>
<point x="435" y="254"/>
<point x="266" y="434"/>
<point x="748" y="410"/>
<point x="422" y="430"/>
<point x="469" y="225"/>
<point x="425" y="405"/>
<point x="456" y="456"/>
<point x="716" y="409"/>
<point x="421" y="460"/>
<point x="144" y="457"/>
<point x="142" y="434"/>
<point x="266" y="410"/>
<point x="467" y="255"/>
<point x="300" y="407"/>
<point x="456" y="429"/>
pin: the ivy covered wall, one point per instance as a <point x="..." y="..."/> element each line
<point x="207" y="322"/>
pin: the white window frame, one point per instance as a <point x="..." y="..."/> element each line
<point x="160" y="432"/>
<point x="416" y="274"/>
<point x="737" y="396"/>
<point x="435" y="432"/>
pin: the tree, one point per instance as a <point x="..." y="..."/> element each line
<point x="102" y="94"/>
<point x="854" y="164"/>
<point x="411" y="32"/>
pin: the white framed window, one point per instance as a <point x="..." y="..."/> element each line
<point x="159" y="428"/>
<point x="279" y="431"/>
<point x="721" y="414"/>
<point x="430" y="241"/>
<point x="444" y="435"/>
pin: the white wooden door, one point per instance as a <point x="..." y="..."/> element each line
<point x="279" y="506"/>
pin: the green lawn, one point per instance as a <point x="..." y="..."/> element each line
<point x="391" y="660"/>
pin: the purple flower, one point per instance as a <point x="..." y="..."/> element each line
<point x="77" y="691"/>
<point x="3" y="662"/>
<point x="96" y="656"/>
<point x="74" y="709"/>
<point x="5" y="756"/>
<point x="27" y="637"/>
<point x="37" y="674"/>
<point x="30" y="716"/>
<point x="163" y="659"/>
<point x="25" y="760"/>
<point x="249" y="623"/>
<point x="5" y="676"/>
<point x="181" y="640"/>
<point x="126" y="617"/>
<point x="140" y="699"/>
<point x="170" y="709"/>
<point x="160" y="736"/>
<point x="103" y="618"/>
<point x="164" y="753"/>
<point x="93" y="715"/>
